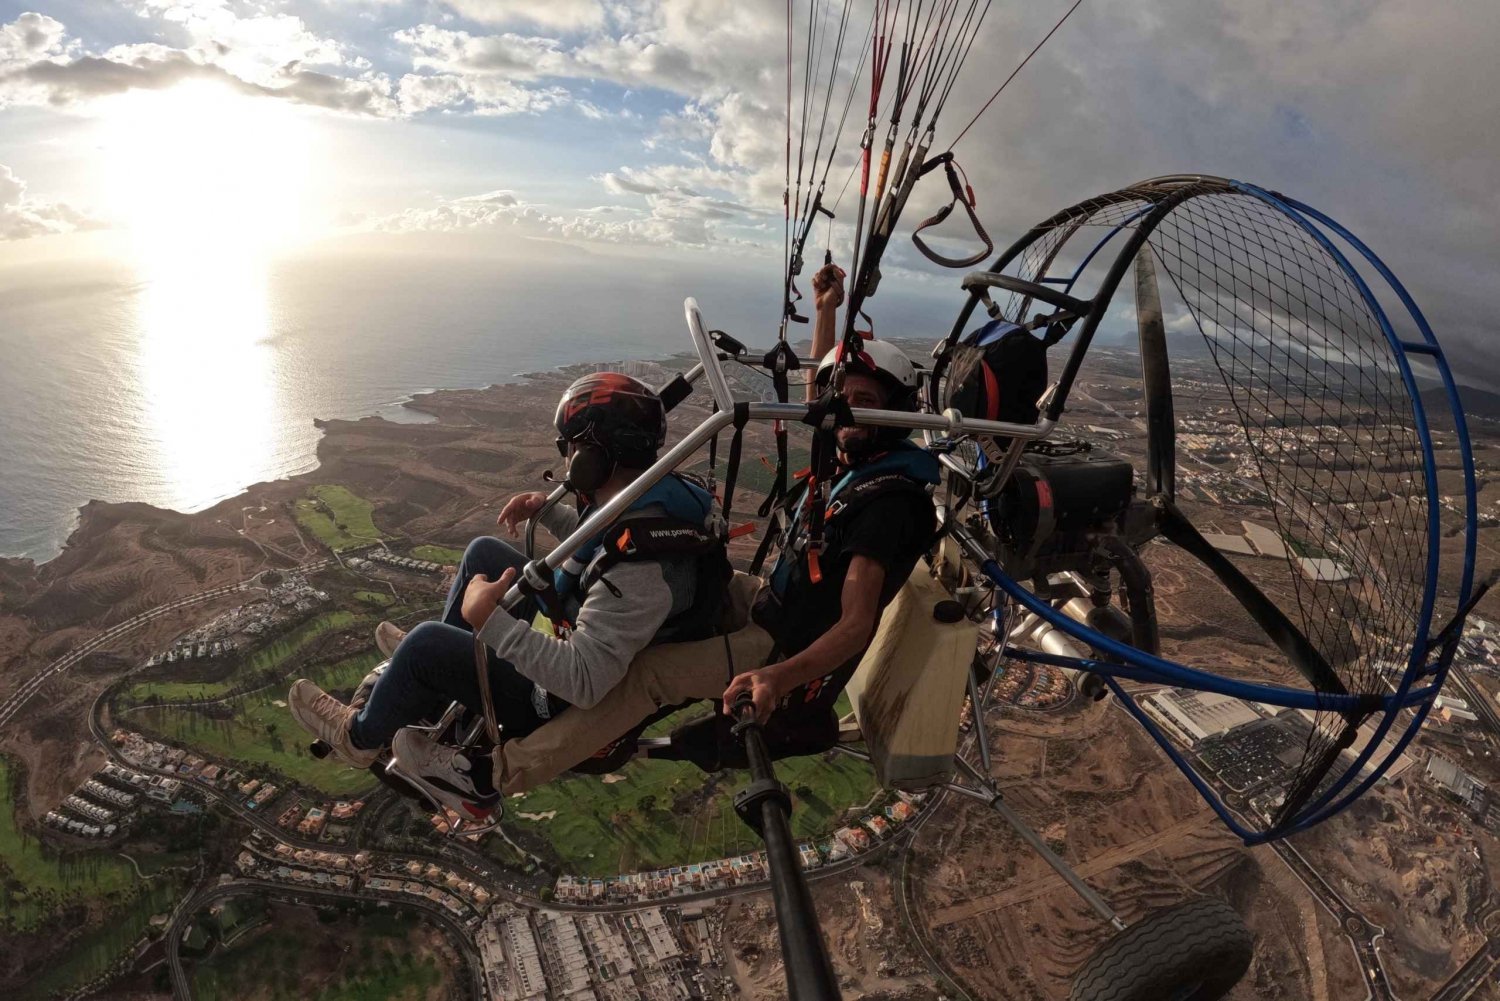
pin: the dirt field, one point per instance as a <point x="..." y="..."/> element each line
<point x="871" y="953"/>
<point x="1010" y="928"/>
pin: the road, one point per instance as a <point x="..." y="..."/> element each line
<point x="917" y="933"/>
<point x="31" y="686"/>
<point x="1472" y="975"/>
<point x="1476" y="972"/>
<point x="182" y="987"/>
<point x="1363" y="933"/>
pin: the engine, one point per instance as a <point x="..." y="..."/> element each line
<point x="1056" y="505"/>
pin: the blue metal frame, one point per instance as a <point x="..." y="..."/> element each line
<point x="1130" y="663"/>
<point x="1068" y="283"/>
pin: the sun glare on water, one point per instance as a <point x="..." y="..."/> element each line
<point x="210" y="185"/>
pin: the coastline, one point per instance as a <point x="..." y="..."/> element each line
<point x="424" y="406"/>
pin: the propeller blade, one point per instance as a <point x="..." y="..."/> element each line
<point x="1156" y="375"/>
<point x="1271" y="619"/>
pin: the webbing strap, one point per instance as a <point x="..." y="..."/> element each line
<point x="482" y="665"/>
<point x="774" y="528"/>
<point x="826" y="415"/>
<point x="779" y="361"/>
<point x="963" y="195"/>
<point x="732" y="468"/>
<point x="713" y="449"/>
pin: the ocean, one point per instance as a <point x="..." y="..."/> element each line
<point x="181" y="388"/>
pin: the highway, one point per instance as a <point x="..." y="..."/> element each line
<point x="31" y="686"/>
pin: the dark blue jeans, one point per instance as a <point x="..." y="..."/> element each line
<point x="434" y="665"/>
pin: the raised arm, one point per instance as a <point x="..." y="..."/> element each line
<point x="828" y="296"/>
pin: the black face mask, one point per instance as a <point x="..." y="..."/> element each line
<point x="862" y="447"/>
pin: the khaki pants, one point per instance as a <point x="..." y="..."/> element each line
<point x="659" y="676"/>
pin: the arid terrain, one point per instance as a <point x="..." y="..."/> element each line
<point x="987" y="911"/>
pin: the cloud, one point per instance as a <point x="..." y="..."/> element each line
<point x="623" y="184"/>
<point x="562" y="15"/>
<point x="672" y="219"/>
<point x="470" y="212"/>
<point x="40" y="66"/>
<point x="489" y="96"/>
<point x="31" y="37"/>
<point x="1366" y="108"/>
<point x="22" y="216"/>
<point x="444" y="50"/>
<point x="253" y="46"/>
<point x="61" y="83"/>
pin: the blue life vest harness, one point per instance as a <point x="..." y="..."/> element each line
<point x="906" y="468"/>
<point x="686" y="530"/>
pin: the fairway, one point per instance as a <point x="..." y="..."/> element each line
<point x="268" y="658"/>
<point x="338" y="518"/>
<point x="37" y="884"/>
<point x="93" y="954"/>
<point x="259" y="732"/>
<point x="438" y="554"/>
<point x="665" y="813"/>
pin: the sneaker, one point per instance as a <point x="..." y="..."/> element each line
<point x="388" y="637"/>
<point x="448" y="775"/>
<point x="328" y="719"/>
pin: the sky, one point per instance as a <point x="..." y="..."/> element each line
<point x="635" y="131"/>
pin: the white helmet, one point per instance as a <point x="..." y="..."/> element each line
<point x="885" y="362"/>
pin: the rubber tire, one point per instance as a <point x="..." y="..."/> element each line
<point x="1202" y="942"/>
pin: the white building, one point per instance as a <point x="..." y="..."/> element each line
<point x="1198" y="715"/>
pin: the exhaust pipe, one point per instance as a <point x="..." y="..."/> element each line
<point x="1041" y="634"/>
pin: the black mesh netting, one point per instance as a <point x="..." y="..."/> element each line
<point x="1327" y="436"/>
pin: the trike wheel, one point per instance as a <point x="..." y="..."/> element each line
<point x="1197" y="951"/>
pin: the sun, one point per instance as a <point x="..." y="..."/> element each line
<point x="203" y="169"/>
<point x="210" y="185"/>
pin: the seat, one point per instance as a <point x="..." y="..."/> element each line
<point x="910" y="685"/>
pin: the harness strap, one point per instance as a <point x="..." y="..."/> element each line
<point x="732" y="468"/>
<point x="962" y="195"/>
<point x="826" y="415"/>
<point x="779" y="361"/>
<point x="487" y="700"/>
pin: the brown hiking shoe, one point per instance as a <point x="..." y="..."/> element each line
<point x="328" y="719"/>
<point x="388" y="637"/>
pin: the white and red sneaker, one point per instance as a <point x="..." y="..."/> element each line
<point x="447" y="775"/>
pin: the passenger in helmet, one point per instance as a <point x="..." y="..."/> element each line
<point x="610" y="428"/>
<point x="797" y="640"/>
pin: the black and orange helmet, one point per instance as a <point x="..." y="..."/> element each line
<point x="621" y="415"/>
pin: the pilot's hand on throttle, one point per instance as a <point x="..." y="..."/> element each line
<point x="763" y="689"/>
<point x="518" y="509"/>
<point x="482" y="596"/>
<point x="828" y="287"/>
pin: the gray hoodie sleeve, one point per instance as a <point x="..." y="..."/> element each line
<point x="609" y="632"/>
<point x="560" y="520"/>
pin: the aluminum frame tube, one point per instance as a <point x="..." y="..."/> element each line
<point x="716" y="423"/>
<point x="717" y="384"/>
